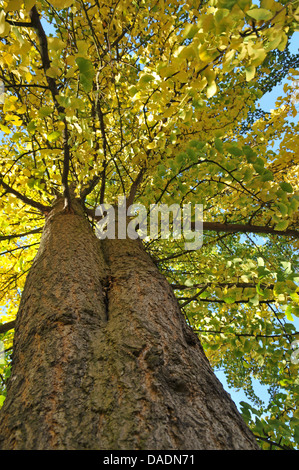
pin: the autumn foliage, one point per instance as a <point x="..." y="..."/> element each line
<point x="158" y="101"/>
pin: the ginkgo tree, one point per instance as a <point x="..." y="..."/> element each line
<point x="114" y="341"/>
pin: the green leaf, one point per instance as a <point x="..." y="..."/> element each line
<point x="258" y="289"/>
<point x="233" y="150"/>
<point x="283" y="225"/>
<point x="53" y="136"/>
<point x="146" y="78"/>
<point x="288" y="313"/>
<point x="45" y="111"/>
<point x="287" y="187"/>
<point x="229" y="300"/>
<point x="85" y="66"/>
<point x="255" y="300"/>
<point x="219" y="145"/>
<point x="250" y="154"/>
<point x="250" y="72"/>
<point x="260" y="14"/>
<point x="31" y="128"/>
<point x="31" y="182"/>
<point x="86" y="83"/>
<point x="295" y="311"/>
<point x="87" y="73"/>
<point x="287" y="266"/>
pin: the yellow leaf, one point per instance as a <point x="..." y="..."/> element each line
<point x="187" y="52"/>
<point x="200" y="84"/>
<point x="250" y="72"/>
<point x="28" y="77"/>
<point x="8" y="59"/>
<point x="53" y="72"/>
<point x="167" y="71"/>
<point x="2" y="21"/>
<point x="26" y="172"/>
<point x="9" y="104"/>
<point x="60" y="4"/>
<point x="5" y="129"/>
<point x="28" y="4"/>
<point x="14" y="119"/>
<point x="204" y="54"/>
<point x="14" y="5"/>
<point x="168" y="112"/>
<point x="212" y="89"/>
<point x="210" y="75"/>
<point x="56" y="44"/>
<point x="152" y="145"/>
<point x="283" y="42"/>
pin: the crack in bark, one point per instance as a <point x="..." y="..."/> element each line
<point x="107" y="285"/>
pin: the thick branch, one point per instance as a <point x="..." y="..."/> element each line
<point x="25" y="199"/>
<point x="46" y="62"/>
<point x="4" y="327"/>
<point x="246" y="228"/>
<point x="44" y="52"/>
<point x="235" y="228"/>
<point x="135" y="186"/>
<point x="102" y="177"/>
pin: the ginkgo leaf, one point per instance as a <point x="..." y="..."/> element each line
<point x="85" y="66"/>
<point x="53" y="136"/>
<point x="60" y="4"/>
<point x="211" y="89"/>
<point x="87" y="72"/>
<point x="28" y="4"/>
<point x="45" y="111"/>
<point x="219" y="145"/>
<point x="287" y="187"/>
<point x="146" y="78"/>
<point x="283" y="225"/>
<point x="260" y="14"/>
<point x="14" y="5"/>
<point x="2" y="21"/>
<point x="283" y="208"/>
<point x="53" y="72"/>
<point x="250" y="72"/>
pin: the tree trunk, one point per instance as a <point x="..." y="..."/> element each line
<point x="103" y="358"/>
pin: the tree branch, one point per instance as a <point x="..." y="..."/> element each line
<point x="245" y="228"/>
<point x="134" y="187"/>
<point x="37" y="205"/>
<point x="46" y="62"/>
<point x="20" y="235"/>
<point x="4" y="327"/>
<point x="44" y="52"/>
<point x="220" y="301"/>
<point x="240" y="285"/>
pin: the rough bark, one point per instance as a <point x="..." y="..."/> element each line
<point x="103" y="358"/>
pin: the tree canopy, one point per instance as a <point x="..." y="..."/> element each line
<point x="158" y="101"/>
